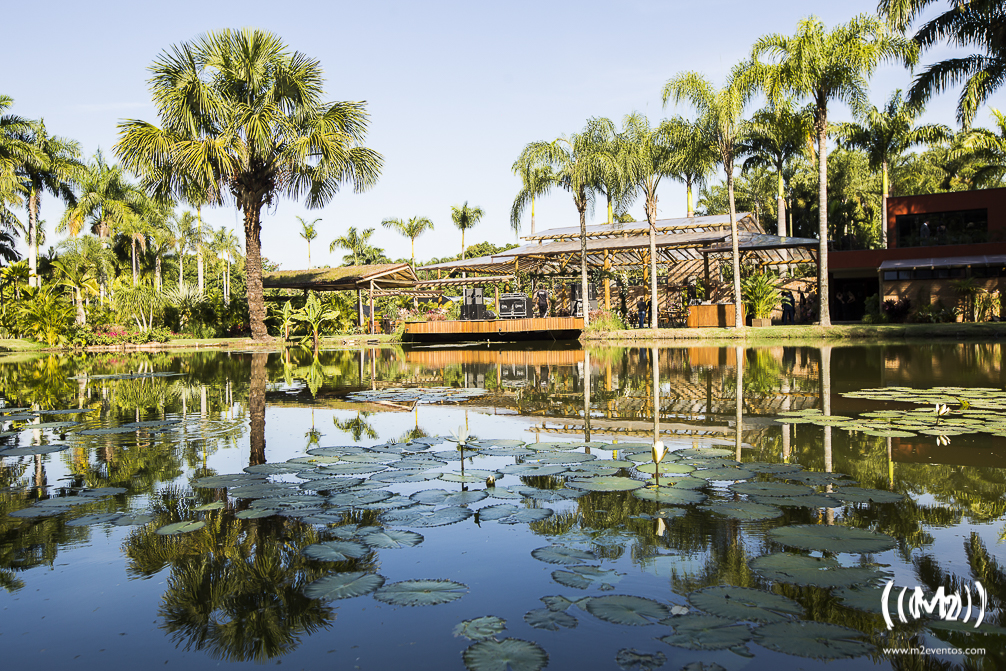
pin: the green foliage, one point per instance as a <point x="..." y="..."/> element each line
<point x="45" y="315"/>
<point x="605" y="320"/>
<point x="761" y="295"/>
<point x="874" y="314"/>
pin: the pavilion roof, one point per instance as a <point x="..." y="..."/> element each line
<point x="344" y="278"/>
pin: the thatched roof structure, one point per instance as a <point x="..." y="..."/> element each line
<point x="345" y="278"/>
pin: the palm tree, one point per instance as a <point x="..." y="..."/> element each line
<point x="411" y="229"/>
<point x="227" y="245"/>
<point x="775" y="135"/>
<point x="185" y="231"/>
<point x="533" y="178"/>
<point x="15" y="151"/>
<point x="887" y="133"/>
<point x="309" y="233"/>
<point x="575" y="164"/>
<point x="465" y="217"/>
<point x="616" y="184"/>
<point x="107" y="199"/>
<point x="649" y="157"/>
<point x="162" y="239"/>
<point x="989" y="151"/>
<point x="78" y="274"/>
<point x="826" y="65"/>
<point x="353" y="242"/>
<point x="57" y="172"/>
<point x="241" y="110"/>
<point x="719" y="110"/>
<point x="135" y="229"/>
<point x="977" y="23"/>
<point x="696" y="155"/>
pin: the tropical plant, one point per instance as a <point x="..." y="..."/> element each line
<point x="240" y="109"/>
<point x="884" y="135"/>
<point x="720" y="110"/>
<point x="775" y="136"/>
<point x="353" y="242"/>
<point x="162" y="240"/>
<point x="976" y="23"/>
<point x="135" y="229"/>
<point x="649" y="156"/>
<point x="79" y="274"/>
<point x="226" y="245"/>
<point x="464" y="218"/>
<point x="188" y="300"/>
<point x="44" y="315"/>
<point x="15" y="151"/>
<point x="55" y="168"/>
<point x="616" y="183"/>
<point x="139" y="303"/>
<point x="988" y="150"/>
<point x="315" y="314"/>
<point x="183" y="226"/>
<point x="826" y="65"/>
<point x="107" y="199"/>
<point x="695" y="152"/>
<point x="761" y="295"/>
<point x="573" y="163"/>
<point x="288" y="319"/>
<point x="309" y="233"/>
<point x="411" y="229"/>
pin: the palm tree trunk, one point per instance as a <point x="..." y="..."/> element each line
<point x="81" y="315"/>
<point x="462" y="244"/>
<point x="883" y="210"/>
<point x="181" y="270"/>
<point x="33" y="205"/>
<point x="134" y="260"/>
<point x="157" y="272"/>
<point x="256" y="408"/>
<point x="309" y="255"/>
<point x="583" y="261"/>
<point x="688" y="194"/>
<point x="199" y="248"/>
<point x="251" y="205"/>
<point x="651" y="217"/>
<point x="822" y="197"/>
<point x="735" y="255"/>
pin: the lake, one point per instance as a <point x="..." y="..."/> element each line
<point x="382" y="508"/>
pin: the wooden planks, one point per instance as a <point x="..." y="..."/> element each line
<point x="493" y="326"/>
<point x="446" y="357"/>
<point x="720" y="315"/>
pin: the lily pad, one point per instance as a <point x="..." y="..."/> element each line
<point x="88" y="520"/>
<point x="31" y="450"/>
<point x="344" y="585"/>
<point x="831" y="538"/>
<point x="215" y="505"/>
<point x="253" y="513"/>
<point x="811" y="501"/>
<point x="771" y="489"/>
<point x="742" y="603"/>
<point x="392" y="538"/>
<point x="667" y="468"/>
<point x="673" y="496"/>
<point x="336" y="550"/>
<point x="864" y="495"/>
<point x="527" y="516"/>
<point x="481" y="628"/>
<point x="181" y="527"/>
<point x="634" y="660"/>
<point x="814" y="571"/>
<point x="421" y="592"/>
<point x="560" y="554"/>
<point x="817" y="640"/>
<point x="706" y="632"/>
<point x="626" y="609"/>
<point x="743" y="510"/>
<point x="510" y="654"/>
<point x="133" y="519"/>
<point x="606" y="484"/>
<point x="543" y="618"/>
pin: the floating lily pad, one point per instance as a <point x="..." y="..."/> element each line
<point x="30" y="450"/>
<point x="350" y="469"/>
<point x="742" y="603"/>
<point x="215" y="505"/>
<point x="667" y="468"/>
<point x="706" y="632"/>
<point x="864" y="495"/>
<point x="543" y="618"/>
<point x="281" y="468"/>
<point x="832" y="538"/>
<point x="133" y="519"/>
<point x="527" y="516"/>
<point x="336" y="550"/>
<point x="625" y="609"/>
<point x="811" y="501"/>
<point x="358" y="498"/>
<point x="771" y="489"/>
<point x="392" y="538"/>
<point x="704" y="453"/>
<point x="817" y="640"/>
<point x="534" y="469"/>
<point x="99" y="492"/>
<point x="253" y="513"/>
<point x="510" y="654"/>
<point x="634" y="660"/>
<point x="181" y="527"/>
<point x="421" y="592"/>
<point x="344" y="585"/>
<point x="743" y="510"/>
<point x="867" y="598"/>
<point x="818" y="479"/>
<point x="674" y="496"/>
<point x="582" y="577"/>
<point x="556" y="602"/>
<point x="724" y="473"/>
<point x="768" y="467"/>
<point x="606" y="484"/>
<point x="560" y="554"/>
<point x="481" y="628"/>
<point x="88" y="520"/>
<point x="233" y="480"/>
<point x="814" y="571"/>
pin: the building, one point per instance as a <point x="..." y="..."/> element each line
<point x="933" y="241"/>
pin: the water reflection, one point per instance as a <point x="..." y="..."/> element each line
<point x="234" y="588"/>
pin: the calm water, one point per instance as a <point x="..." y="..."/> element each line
<point x="84" y="587"/>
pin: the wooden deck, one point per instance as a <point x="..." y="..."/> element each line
<point x="446" y="357"/>
<point x="495" y="330"/>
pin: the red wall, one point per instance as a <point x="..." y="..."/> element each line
<point x="992" y="199"/>
<point x="872" y="258"/>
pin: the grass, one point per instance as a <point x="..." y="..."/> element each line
<point x="984" y="331"/>
<point x="16" y="345"/>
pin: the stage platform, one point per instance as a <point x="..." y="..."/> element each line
<point x="494" y="330"/>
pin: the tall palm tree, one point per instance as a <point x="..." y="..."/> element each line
<point x="988" y="149"/>
<point x="184" y="229"/>
<point x="107" y="198"/>
<point x="15" y="151"/>
<point x="162" y="240"/>
<point x="465" y="217"/>
<point x="696" y="154"/>
<point x="226" y="245"/>
<point x="827" y="65"/>
<point x="616" y="184"/>
<point x="79" y="274"/>
<point x="649" y="157"/>
<point x="242" y="111"/>
<point x="532" y="177"/>
<point x="720" y="111"/>
<point x="977" y="23"/>
<point x="411" y="229"/>
<point x="775" y="135"/>
<point x="887" y="133"/>
<point x="135" y="229"/>
<point x="353" y="242"/>
<point x="57" y="173"/>
<point x="309" y="233"/>
<point x="576" y="165"/>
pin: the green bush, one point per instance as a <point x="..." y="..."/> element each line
<point x="605" y="320"/>
<point x="760" y="294"/>
<point x="874" y="315"/>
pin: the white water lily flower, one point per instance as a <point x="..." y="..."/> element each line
<point x="658" y="451"/>
<point x="461" y="437"/>
<point x="942" y="409"/>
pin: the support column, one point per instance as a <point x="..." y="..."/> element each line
<point x="607" y="282"/>
<point x="371" y="326"/>
<point x="359" y="308"/>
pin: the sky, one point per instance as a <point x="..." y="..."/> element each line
<point x="455" y="90"/>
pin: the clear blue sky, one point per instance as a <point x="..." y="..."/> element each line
<point x="455" y="89"/>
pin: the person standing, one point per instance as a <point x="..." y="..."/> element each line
<point x="641" y="312"/>
<point x="541" y="297"/>
<point x="788" y="307"/>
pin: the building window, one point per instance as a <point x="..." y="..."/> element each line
<point x="962" y="227"/>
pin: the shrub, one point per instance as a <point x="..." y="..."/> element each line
<point x="874" y="313"/>
<point x="897" y="311"/>
<point x="605" y="320"/>
<point x="760" y="294"/>
<point x="933" y="313"/>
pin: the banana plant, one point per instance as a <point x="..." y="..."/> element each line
<point x="315" y="315"/>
